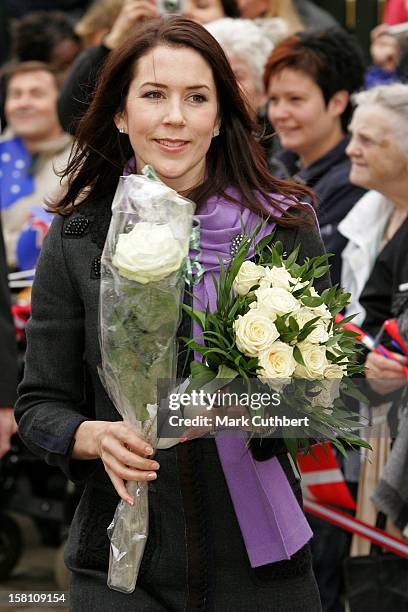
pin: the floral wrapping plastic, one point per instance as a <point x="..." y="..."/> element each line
<point x="142" y="283"/>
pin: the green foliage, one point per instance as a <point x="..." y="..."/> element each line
<point x="222" y="358"/>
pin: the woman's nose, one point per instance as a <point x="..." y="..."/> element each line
<point x="352" y="149"/>
<point x="174" y="113"/>
<point x="277" y="110"/>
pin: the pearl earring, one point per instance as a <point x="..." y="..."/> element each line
<point x="122" y="130"/>
<point x="216" y="132"/>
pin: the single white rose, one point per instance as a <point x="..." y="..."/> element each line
<point x="314" y="356"/>
<point x="248" y="276"/>
<point x="148" y="253"/>
<point x="276" y="301"/>
<point x="277" y="277"/>
<point x="277" y="361"/>
<point x="254" y="333"/>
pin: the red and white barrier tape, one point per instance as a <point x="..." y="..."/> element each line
<point x="353" y="525"/>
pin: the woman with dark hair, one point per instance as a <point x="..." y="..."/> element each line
<point x="193" y="127"/>
<point x="309" y="79"/>
<point x="81" y="83"/>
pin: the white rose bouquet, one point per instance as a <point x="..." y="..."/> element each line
<point x="142" y="283"/>
<point x="271" y="324"/>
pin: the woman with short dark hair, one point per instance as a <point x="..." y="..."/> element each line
<point x="309" y="79"/>
<point x="193" y="127"/>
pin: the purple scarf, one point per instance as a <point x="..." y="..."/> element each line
<point x="272" y="523"/>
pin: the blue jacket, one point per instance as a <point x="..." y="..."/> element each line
<point x="329" y="178"/>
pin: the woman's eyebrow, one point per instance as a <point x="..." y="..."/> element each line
<point x="199" y="86"/>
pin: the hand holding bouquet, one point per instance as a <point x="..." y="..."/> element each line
<point x="271" y="324"/>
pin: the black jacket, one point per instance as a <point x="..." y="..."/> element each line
<point x="8" y="349"/>
<point x="329" y="178"/>
<point x="62" y="388"/>
<point x="385" y="294"/>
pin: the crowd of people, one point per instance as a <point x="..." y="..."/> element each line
<point x="270" y="98"/>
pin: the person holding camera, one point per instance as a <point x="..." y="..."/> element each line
<point x="193" y="127"/>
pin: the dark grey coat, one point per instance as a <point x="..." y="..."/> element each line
<point x="195" y="558"/>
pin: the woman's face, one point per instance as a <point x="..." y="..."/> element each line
<point x="171" y="113"/>
<point x="376" y="159"/>
<point x="204" y="11"/>
<point x="247" y="81"/>
<point x="299" y="114"/>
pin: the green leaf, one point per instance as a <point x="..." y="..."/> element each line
<point x="307" y="329"/>
<point x="293" y="325"/>
<point x="197" y="315"/>
<point x="200" y="376"/>
<point x="226" y="373"/>
<point x="293" y="257"/>
<point x="298" y="356"/>
<point x="312" y="302"/>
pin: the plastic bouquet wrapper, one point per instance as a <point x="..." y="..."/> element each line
<point x="142" y="283"/>
<point x="270" y="324"/>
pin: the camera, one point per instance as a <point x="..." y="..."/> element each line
<point x="171" y="7"/>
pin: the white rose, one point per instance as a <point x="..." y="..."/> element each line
<point x="276" y="301"/>
<point x="254" y="333"/>
<point x="303" y="316"/>
<point x="319" y="334"/>
<point x="323" y="312"/>
<point x="277" y="361"/>
<point x="315" y="360"/>
<point x="248" y="276"/>
<point x="326" y="393"/>
<point x="322" y="398"/>
<point x="334" y="370"/>
<point x="277" y="277"/>
<point x="148" y="253"/>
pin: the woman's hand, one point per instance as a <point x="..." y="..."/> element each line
<point x="132" y="13"/>
<point x="385" y="375"/>
<point x="122" y="449"/>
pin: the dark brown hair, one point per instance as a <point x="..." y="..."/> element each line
<point x="13" y="68"/>
<point x="331" y="58"/>
<point x="234" y="159"/>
